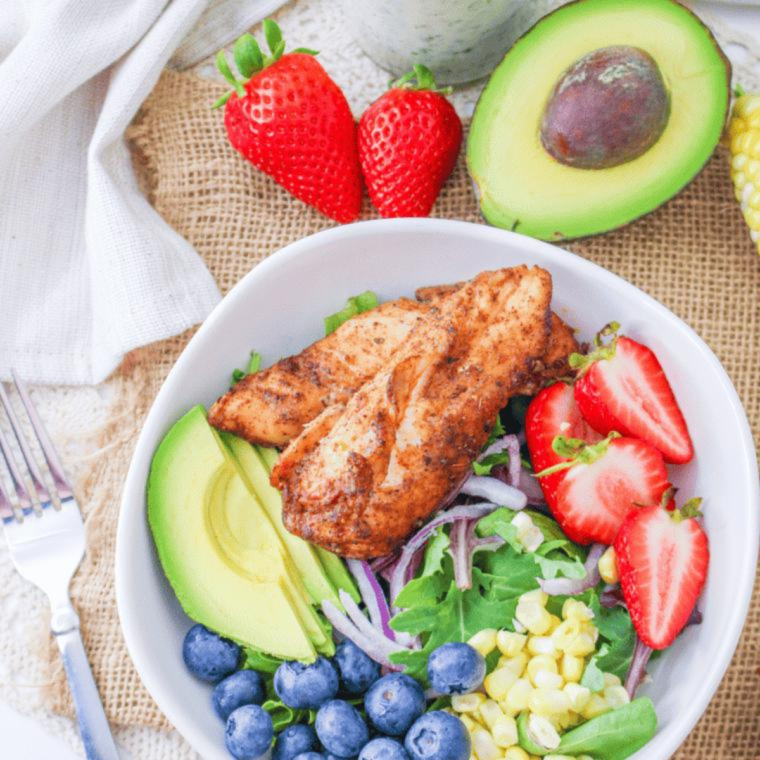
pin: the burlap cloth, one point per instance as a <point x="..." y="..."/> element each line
<point x="694" y="255"/>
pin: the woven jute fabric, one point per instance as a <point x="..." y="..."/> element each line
<point x="694" y="255"/>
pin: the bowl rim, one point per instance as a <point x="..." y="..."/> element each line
<point x="132" y="505"/>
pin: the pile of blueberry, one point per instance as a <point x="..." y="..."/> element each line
<point x="396" y="726"/>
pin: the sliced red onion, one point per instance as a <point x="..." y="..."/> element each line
<point x="695" y="618"/>
<point x="575" y="586"/>
<point x="511" y="445"/>
<point x="382" y="563"/>
<point x="464" y="545"/>
<point x="379" y="649"/>
<point x="418" y="540"/>
<point x="372" y="596"/>
<point x="612" y="596"/>
<point x="495" y="491"/>
<point x="637" y="670"/>
<point x="530" y="486"/>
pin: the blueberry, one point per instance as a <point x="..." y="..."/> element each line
<point x="246" y="687"/>
<point x="341" y="728"/>
<point x="358" y="671"/>
<point x="438" y="736"/>
<point x="293" y="741"/>
<point x="310" y="756"/>
<point x="306" y="687"/>
<point x="208" y="656"/>
<point x="456" y="669"/>
<point x="249" y="732"/>
<point x="383" y="748"/>
<point x="393" y="703"/>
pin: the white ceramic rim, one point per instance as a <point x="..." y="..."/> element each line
<point x="133" y="498"/>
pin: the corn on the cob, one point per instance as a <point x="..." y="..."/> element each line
<point x="744" y="137"/>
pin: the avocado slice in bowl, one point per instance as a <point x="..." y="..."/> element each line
<point x="603" y="111"/>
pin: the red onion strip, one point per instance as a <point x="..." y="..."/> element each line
<point x="372" y="596"/>
<point x="495" y="491"/>
<point x="637" y="668"/>
<point x="575" y="586"/>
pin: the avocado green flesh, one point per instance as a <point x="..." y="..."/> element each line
<point x="219" y="550"/>
<point x="336" y="571"/>
<point x="522" y="188"/>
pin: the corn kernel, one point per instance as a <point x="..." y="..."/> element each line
<point x="607" y="565"/>
<point x="470" y="724"/>
<point x="489" y="712"/>
<point x="516" y="753"/>
<point x="510" y="644"/>
<point x="528" y="533"/>
<point x="579" y="696"/>
<point x="516" y="664"/>
<point x="484" y="641"/>
<point x="517" y="697"/>
<point x="467" y="703"/>
<point x="610" y="679"/>
<point x="597" y="705"/>
<point x="542" y="731"/>
<point x="537" y="595"/>
<point x="542" y="645"/>
<point x="483" y="745"/>
<point x="573" y="609"/>
<point x="555" y="623"/>
<point x="546" y="680"/>
<point x="548" y="702"/>
<point x="571" y="668"/>
<point x="541" y="662"/>
<point x="558" y="757"/>
<point x="592" y="631"/>
<point x="582" y="645"/>
<point x="566" y="633"/>
<point x="505" y="731"/>
<point x="499" y="682"/>
<point x="534" y="617"/>
<point x="616" y="696"/>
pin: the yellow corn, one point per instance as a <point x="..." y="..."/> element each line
<point x="541" y="662"/>
<point x="546" y="680"/>
<point x="516" y="753"/>
<point x="510" y="644"/>
<point x="616" y="696"/>
<point x="489" y="712"/>
<point x="610" y="679"/>
<point x="555" y="623"/>
<point x="597" y="705"/>
<point x="534" y="617"/>
<point x="542" y="645"/>
<point x="571" y="668"/>
<point x="578" y="696"/>
<point x="566" y="632"/>
<point x="537" y="595"/>
<point x="543" y="731"/>
<point x="483" y="745"/>
<point x="517" y="697"/>
<point x="744" y="143"/>
<point x="607" y="565"/>
<point x="582" y="645"/>
<point x="516" y="664"/>
<point x="470" y="724"/>
<point x="547" y="702"/>
<point x="484" y="641"/>
<point x="498" y="683"/>
<point x="573" y="609"/>
<point x="504" y="731"/>
<point x="467" y="703"/>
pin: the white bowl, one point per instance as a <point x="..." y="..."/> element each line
<point x="278" y="309"/>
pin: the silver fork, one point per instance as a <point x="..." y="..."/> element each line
<point x="47" y="543"/>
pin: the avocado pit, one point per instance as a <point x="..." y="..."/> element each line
<point x="610" y="107"/>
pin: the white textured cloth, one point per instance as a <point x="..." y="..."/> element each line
<point x="88" y="270"/>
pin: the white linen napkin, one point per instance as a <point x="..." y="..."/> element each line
<point x="88" y="270"/>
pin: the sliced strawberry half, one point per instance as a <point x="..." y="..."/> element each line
<point x="662" y="558"/>
<point x="553" y="413"/>
<point x="605" y="483"/>
<point x="623" y="387"/>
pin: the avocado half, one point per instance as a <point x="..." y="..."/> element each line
<point x="521" y="187"/>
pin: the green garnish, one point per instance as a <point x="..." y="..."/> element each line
<point x="355" y="305"/>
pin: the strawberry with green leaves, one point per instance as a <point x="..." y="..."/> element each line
<point x="291" y="121"/>
<point x="662" y="558"/>
<point x="409" y="140"/>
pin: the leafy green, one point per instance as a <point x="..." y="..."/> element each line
<point x="498" y="431"/>
<point x="283" y="716"/>
<point x="355" y="305"/>
<point x="615" y="626"/>
<point x="485" y="466"/>
<point x="551" y="566"/>
<point x="261" y="661"/>
<point x="435" y="551"/>
<point x="254" y="365"/>
<point x="593" y="675"/>
<point x="615" y="735"/>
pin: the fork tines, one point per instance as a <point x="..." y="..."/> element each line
<point x="40" y="493"/>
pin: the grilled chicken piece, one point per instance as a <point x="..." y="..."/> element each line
<point x="362" y="477"/>
<point x="271" y="407"/>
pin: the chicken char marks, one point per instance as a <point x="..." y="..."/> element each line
<point x="364" y="475"/>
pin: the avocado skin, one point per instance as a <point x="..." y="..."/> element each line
<point x="497" y="215"/>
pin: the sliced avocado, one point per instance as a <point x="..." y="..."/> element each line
<point x="599" y="114"/>
<point x="241" y="595"/>
<point x="303" y="555"/>
<point x="536" y="734"/>
<point x="337" y="572"/>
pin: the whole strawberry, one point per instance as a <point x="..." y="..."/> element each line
<point x="409" y="140"/>
<point x="291" y="121"/>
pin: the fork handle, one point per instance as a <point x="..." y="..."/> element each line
<point x="93" y="724"/>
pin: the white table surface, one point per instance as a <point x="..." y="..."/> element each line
<point x="22" y="738"/>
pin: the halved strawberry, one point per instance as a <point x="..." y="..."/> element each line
<point x="623" y="387"/>
<point x="662" y="558"/>
<point x="603" y="484"/>
<point x="552" y="413"/>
